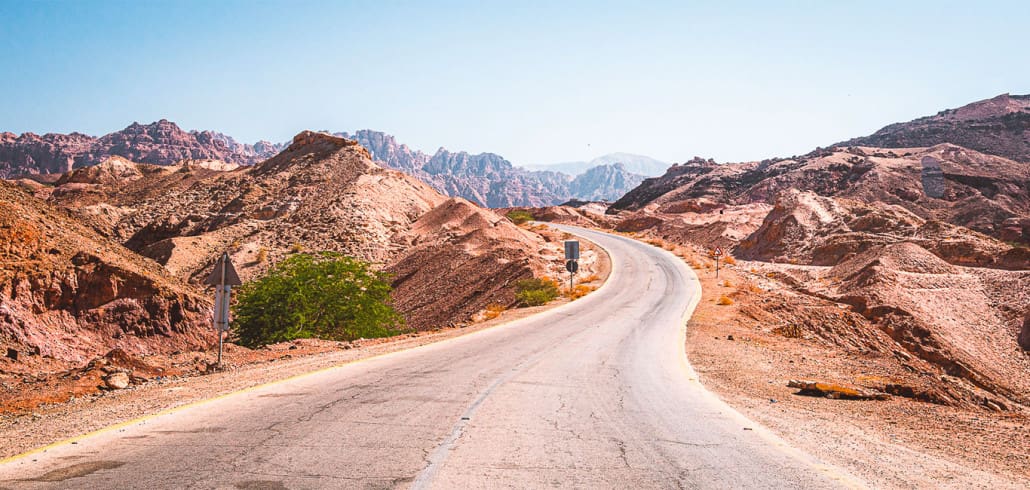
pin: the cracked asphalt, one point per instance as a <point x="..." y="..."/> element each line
<point x="593" y="394"/>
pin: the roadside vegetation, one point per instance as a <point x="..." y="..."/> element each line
<point x="535" y="291"/>
<point x="519" y="216"/>
<point x="327" y="296"/>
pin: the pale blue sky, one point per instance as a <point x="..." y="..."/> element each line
<point x="536" y="82"/>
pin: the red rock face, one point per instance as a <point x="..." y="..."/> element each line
<point x="159" y="143"/>
<point x="70" y="294"/>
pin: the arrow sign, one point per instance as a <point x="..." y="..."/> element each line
<point x="224" y="273"/>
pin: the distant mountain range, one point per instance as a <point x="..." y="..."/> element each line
<point x="485" y="178"/>
<point x="637" y="164"/>
<point x="492" y="181"/>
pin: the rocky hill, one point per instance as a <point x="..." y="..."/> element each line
<point x="160" y="143"/>
<point x="998" y="126"/>
<point x="320" y="193"/>
<point x="492" y="181"/>
<point x="948" y="183"/>
<point x="68" y="294"/>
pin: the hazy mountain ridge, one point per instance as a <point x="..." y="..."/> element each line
<point x="160" y="143"/>
<point x="637" y="164"/>
<point x="491" y="180"/>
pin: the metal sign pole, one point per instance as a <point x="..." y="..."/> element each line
<point x="223" y="277"/>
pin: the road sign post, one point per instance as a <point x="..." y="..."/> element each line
<point x="571" y="261"/>
<point x="223" y="278"/>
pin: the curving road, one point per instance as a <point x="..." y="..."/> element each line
<point x="594" y="394"/>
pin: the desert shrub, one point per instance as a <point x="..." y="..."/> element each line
<point x="262" y="255"/>
<point x="519" y="216"/>
<point x="535" y="291"/>
<point x="296" y="248"/>
<point x="724" y="300"/>
<point x="727" y="284"/>
<point x="326" y="296"/>
<point x="590" y="278"/>
<point x="730" y="260"/>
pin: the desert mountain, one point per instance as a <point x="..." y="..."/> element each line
<point x="320" y="193"/>
<point x="492" y="181"/>
<point x="160" y="143"/>
<point x="637" y="164"/>
<point x="998" y="126"/>
<point x="68" y="294"/>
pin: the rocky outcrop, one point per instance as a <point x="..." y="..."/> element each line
<point x="998" y="126"/>
<point x="159" y="143"/>
<point x="985" y="193"/>
<point x="69" y="294"/>
<point x="958" y="319"/>
<point x="458" y="259"/>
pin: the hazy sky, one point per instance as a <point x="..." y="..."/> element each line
<point x="536" y="82"/>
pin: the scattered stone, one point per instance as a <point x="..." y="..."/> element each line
<point x="729" y="337"/>
<point x="116" y="381"/>
<point x="12" y="354"/>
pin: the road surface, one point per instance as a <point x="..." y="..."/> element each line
<point x="593" y="394"/>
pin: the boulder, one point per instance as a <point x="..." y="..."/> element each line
<point x="116" y="381"/>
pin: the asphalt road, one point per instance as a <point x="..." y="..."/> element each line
<point x="594" y="394"/>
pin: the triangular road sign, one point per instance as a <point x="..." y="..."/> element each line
<point x="224" y="273"/>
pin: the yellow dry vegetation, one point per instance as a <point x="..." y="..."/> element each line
<point x="493" y="310"/>
<point x="579" y="291"/>
<point x="724" y="300"/>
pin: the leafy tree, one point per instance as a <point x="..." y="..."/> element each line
<point x="535" y="291"/>
<point x="326" y="296"/>
<point x="519" y="216"/>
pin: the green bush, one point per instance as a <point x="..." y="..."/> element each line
<point x="519" y="216"/>
<point x="326" y="296"/>
<point x="535" y="292"/>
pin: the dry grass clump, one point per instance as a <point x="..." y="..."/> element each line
<point x="296" y="248"/>
<point x="727" y="284"/>
<point x="730" y="260"/>
<point x="754" y="288"/>
<point x="724" y="300"/>
<point x="590" y="278"/>
<point x="262" y="255"/>
<point x="493" y="310"/>
<point x="579" y="291"/>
